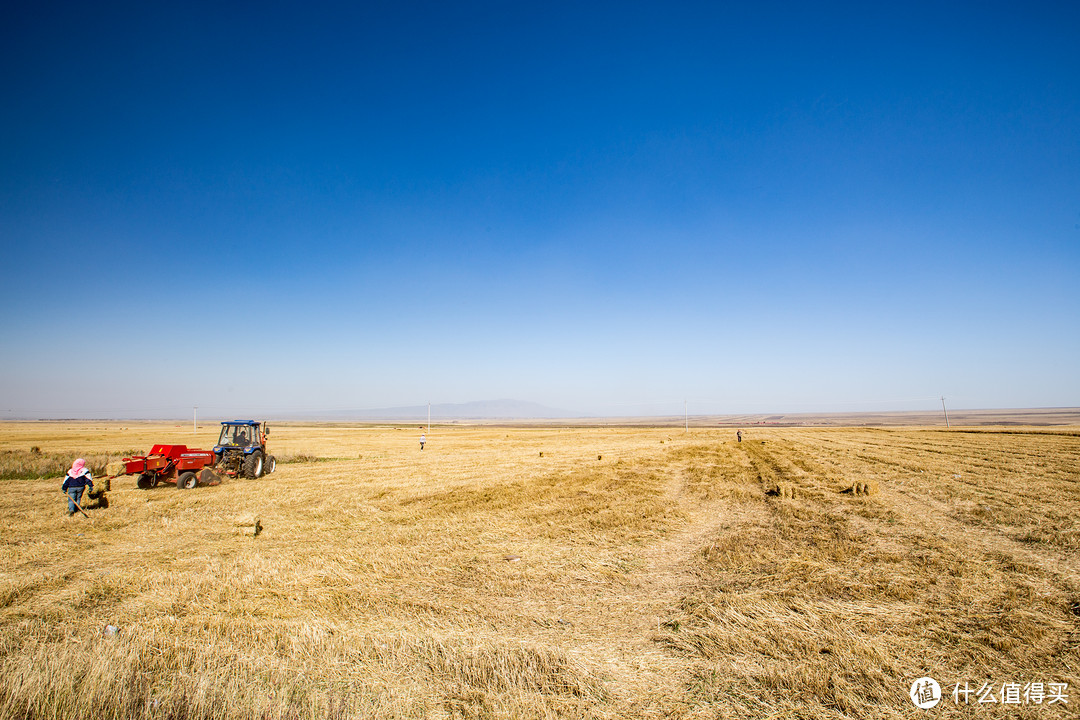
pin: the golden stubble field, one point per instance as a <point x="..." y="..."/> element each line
<point x="649" y="575"/>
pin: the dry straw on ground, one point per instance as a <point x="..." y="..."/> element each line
<point x="485" y="578"/>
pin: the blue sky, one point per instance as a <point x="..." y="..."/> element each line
<point x="267" y="208"/>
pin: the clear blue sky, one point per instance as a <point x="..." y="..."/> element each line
<point x="262" y="208"/>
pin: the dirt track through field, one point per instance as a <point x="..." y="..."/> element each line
<point x="628" y="619"/>
<point x="626" y="623"/>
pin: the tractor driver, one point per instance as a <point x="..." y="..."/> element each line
<point x="241" y="438"/>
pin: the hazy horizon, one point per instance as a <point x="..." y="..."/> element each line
<point x="481" y="410"/>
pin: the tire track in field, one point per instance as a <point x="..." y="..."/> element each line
<point x="645" y="678"/>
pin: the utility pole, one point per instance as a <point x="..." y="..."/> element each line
<point x="945" y="411"/>
<point x="429" y="417"/>
<point x="686" y="415"/>
<point x="195" y="421"/>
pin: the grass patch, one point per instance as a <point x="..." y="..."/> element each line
<point x="34" y="464"/>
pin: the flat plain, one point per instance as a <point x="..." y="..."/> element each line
<point x="549" y="572"/>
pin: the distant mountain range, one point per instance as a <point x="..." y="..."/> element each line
<point x="480" y="410"/>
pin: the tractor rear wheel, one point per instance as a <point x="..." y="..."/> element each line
<point x="270" y="465"/>
<point x="253" y="465"/>
<point x="186" y="481"/>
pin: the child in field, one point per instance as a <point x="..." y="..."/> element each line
<point x="77" y="479"/>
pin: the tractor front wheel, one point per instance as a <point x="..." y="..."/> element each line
<point x="253" y="465"/>
<point x="186" y="481"/>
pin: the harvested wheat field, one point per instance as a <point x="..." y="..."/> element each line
<point x="548" y="573"/>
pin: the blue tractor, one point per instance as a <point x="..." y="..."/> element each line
<point x="241" y="449"/>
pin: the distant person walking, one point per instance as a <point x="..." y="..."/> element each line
<point x="76" y="480"/>
<point x="738" y="434"/>
<point x="423" y="439"/>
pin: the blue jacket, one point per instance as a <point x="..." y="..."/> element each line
<point x="83" y="480"/>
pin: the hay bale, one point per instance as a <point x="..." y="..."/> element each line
<point x="862" y="487"/>
<point x="782" y="490"/>
<point x="248" y="525"/>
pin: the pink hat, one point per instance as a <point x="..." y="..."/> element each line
<point x="77" y="467"/>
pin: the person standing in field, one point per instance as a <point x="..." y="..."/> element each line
<point x="738" y="434"/>
<point x="77" y="479"/>
<point x="423" y="439"/>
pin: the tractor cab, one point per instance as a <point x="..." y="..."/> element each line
<point x="241" y="448"/>
<point x="239" y="434"/>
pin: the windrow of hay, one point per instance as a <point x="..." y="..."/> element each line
<point x="1021" y="484"/>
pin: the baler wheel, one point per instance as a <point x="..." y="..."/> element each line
<point x="145" y="481"/>
<point x="186" y="481"/>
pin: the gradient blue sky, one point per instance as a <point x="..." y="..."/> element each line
<point x="265" y="208"/>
